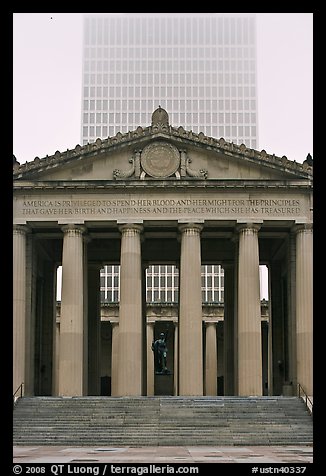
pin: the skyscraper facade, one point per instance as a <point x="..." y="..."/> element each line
<point x="200" y="67"/>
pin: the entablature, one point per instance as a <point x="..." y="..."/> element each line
<point x="169" y="183"/>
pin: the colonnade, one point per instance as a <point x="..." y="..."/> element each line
<point x="242" y="320"/>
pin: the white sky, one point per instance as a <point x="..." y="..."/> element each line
<point x="47" y="83"/>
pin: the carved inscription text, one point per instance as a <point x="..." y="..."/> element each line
<point x="155" y="207"/>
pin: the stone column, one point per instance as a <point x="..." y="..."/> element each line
<point x="249" y="315"/>
<point x="304" y="306"/>
<point x="176" y="360"/>
<point x="190" y="314"/>
<point x="211" y="359"/>
<point x="150" y="358"/>
<point x="94" y="330"/>
<point x="145" y="353"/>
<point x="228" y="327"/>
<point x="56" y="354"/>
<point x="71" y="359"/>
<point x="114" y="358"/>
<point x="19" y="303"/>
<point x="56" y="339"/>
<point x="235" y="240"/>
<point x="86" y="240"/>
<point x="130" y="312"/>
<point x="276" y="331"/>
<point x="289" y="291"/>
<point x="45" y="339"/>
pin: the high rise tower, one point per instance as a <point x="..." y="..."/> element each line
<point x="200" y="67"/>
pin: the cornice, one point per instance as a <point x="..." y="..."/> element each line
<point x="157" y="131"/>
<point x="189" y="183"/>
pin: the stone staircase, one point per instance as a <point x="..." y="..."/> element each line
<point x="161" y="421"/>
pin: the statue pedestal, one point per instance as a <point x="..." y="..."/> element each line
<point x="164" y="372"/>
<point x="163" y="384"/>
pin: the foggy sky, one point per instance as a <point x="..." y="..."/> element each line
<point x="47" y="83"/>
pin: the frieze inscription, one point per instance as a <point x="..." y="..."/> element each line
<point x="113" y="208"/>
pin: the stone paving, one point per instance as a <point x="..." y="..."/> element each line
<point x="164" y="454"/>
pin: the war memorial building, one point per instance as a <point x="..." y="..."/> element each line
<point x="162" y="195"/>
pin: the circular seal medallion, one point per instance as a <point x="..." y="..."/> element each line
<point x="160" y="160"/>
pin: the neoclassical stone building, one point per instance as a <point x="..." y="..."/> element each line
<point x="163" y="195"/>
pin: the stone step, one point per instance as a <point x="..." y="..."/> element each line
<point x="161" y="421"/>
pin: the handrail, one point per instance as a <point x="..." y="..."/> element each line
<point x="20" y="388"/>
<point x="306" y="398"/>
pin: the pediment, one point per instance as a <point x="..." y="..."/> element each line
<point x="161" y="152"/>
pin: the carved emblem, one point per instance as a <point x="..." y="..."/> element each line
<point x="117" y="173"/>
<point x="160" y="159"/>
<point x="195" y="173"/>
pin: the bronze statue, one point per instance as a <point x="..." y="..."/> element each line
<point x="160" y="350"/>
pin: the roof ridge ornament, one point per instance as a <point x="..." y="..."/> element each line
<point x="160" y="116"/>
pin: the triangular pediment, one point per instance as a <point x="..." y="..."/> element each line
<point x="161" y="152"/>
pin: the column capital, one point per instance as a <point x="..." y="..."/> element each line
<point x="251" y="227"/>
<point x="131" y="229"/>
<point x="190" y="228"/>
<point x="73" y="229"/>
<point x="209" y="323"/>
<point x="302" y="227"/>
<point x="21" y="229"/>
